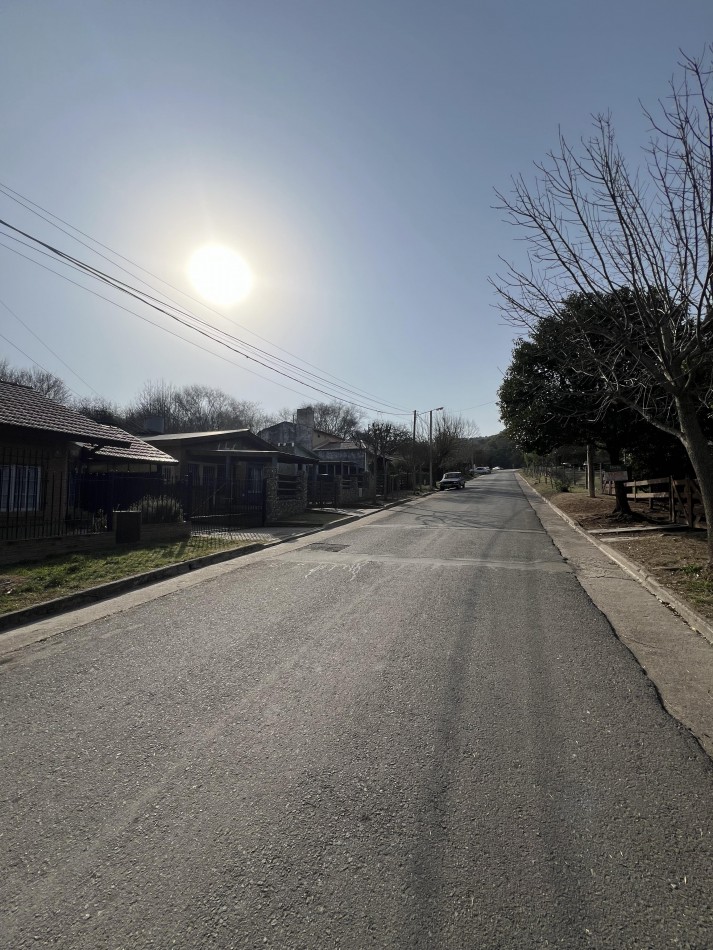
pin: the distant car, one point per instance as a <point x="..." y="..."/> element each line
<point x="451" y="480"/>
<point x="482" y="470"/>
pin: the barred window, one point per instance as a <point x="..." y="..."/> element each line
<point x="20" y="487"/>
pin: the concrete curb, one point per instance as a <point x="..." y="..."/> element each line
<point x="663" y="594"/>
<point x="92" y="595"/>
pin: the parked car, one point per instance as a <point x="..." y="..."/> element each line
<point x="451" y="480"/>
<point x="482" y="470"/>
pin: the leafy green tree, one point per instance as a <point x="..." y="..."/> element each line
<point x="551" y="396"/>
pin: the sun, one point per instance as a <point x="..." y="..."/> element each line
<point x="220" y="275"/>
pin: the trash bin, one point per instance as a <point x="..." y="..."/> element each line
<point x="127" y="526"/>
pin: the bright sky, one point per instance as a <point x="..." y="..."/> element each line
<point x="347" y="149"/>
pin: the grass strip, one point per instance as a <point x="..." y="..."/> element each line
<point x="25" y="585"/>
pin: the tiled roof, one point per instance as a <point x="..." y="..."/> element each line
<point x="190" y="436"/>
<point x="337" y="445"/>
<point x="137" y="451"/>
<point x="23" y="407"/>
<point x="240" y="438"/>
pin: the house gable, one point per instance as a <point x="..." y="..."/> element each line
<point x="26" y="414"/>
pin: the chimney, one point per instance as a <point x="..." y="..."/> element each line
<point x="305" y="417"/>
<point x="154" y="425"/>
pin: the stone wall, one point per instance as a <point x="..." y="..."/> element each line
<point x="360" y="489"/>
<point x="280" y="508"/>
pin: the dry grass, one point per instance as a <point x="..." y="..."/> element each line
<point x="24" y="585"/>
<point x="675" y="559"/>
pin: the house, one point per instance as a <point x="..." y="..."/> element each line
<point x="43" y="447"/>
<point x="236" y="477"/>
<point x="336" y="456"/>
<point x="226" y="455"/>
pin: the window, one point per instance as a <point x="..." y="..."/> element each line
<point x="20" y="487"/>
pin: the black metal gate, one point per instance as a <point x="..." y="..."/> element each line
<point x="227" y="505"/>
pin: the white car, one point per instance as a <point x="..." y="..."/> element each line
<point x="482" y="470"/>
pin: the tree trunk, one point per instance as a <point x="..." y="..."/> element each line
<point x="699" y="451"/>
<point x="621" y="505"/>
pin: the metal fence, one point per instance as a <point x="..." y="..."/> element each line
<point x="230" y="504"/>
<point x="322" y="491"/>
<point x="40" y="498"/>
<point x="33" y="494"/>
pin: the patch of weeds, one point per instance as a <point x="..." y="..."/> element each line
<point x="694" y="571"/>
<point x="693" y="585"/>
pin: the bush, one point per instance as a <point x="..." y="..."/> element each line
<point x="561" y="484"/>
<point x="159" y="509"/>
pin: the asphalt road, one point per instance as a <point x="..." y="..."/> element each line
<point x="414" y="731"/>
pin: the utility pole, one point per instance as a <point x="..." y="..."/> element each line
<point x="430" y="445"/>
<point x="413" y="451"/>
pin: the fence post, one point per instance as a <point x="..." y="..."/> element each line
<point x="188" y="498"/>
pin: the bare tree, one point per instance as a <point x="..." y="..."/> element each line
<point x="156" y="398"/>
<point x="100" y="410"/>
<point x="384" y="438"/>
<point x="286" y="414"/>
<point x="39" y="379"/>
<point x="338" y="418"/>
<point x="252" y="414"/>
<point x="193" y="408"/>
<point x="452" y="435"/>
<point x="636" y="248"/>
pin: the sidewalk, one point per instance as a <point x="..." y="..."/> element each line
<point x="259" y="539"/>
<point x="672" y="654"/>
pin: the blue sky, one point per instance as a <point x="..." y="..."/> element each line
<point x="349" y="151"/>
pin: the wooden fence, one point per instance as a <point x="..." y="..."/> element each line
<point x="681" y="495"/>
<point x="686" y="503"/>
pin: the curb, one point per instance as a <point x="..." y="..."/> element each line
<point x="663" y="594"/>
<point x="92" y="595"/>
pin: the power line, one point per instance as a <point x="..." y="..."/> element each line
<point x="192" y="342"/>
<point x="202" y="327"/>
<point x="480" y="405"/>
<point x="19" y="350"/>
<point x="30" y="205"/>
<point x="49" y="349"/>
<point x="38" y="365"/>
